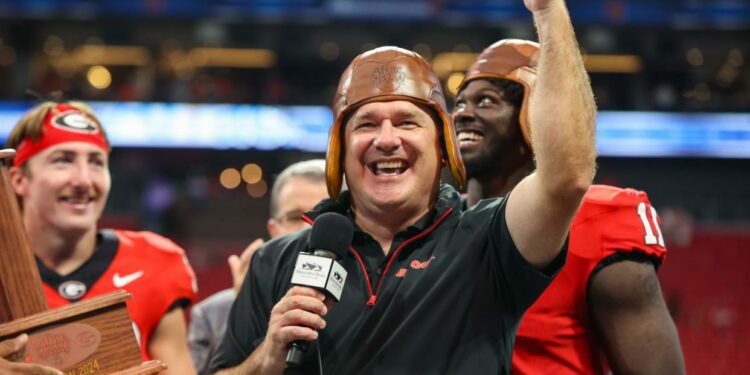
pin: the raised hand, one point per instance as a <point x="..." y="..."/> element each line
<point x="240" y="264"/>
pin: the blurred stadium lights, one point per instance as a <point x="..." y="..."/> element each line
<point x="229" y="58"/>
<point x="232" y="57"/>
<point x="230" y="178"/>
<point x="257" y="189"/>
<point x="140" y="56"/>
<point x="252" y="173"/>
<point x="453" y="81"/>
<point x="221" y="126"/>
<point x="99" y="77"/>
<point x="54" y="45"/>
<point x="612" y="63"/>
<point x="735" y="57"/>
<point x="694" y="57"/>
<point x="89" y="54"/>
<point x="449" y="62"/>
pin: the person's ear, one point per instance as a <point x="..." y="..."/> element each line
<point x="272" y="226"/>
<point x="19" y="180"/>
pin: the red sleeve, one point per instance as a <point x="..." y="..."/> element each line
<point x="182" y="287"/>
<point x="176" y="280"/>
<point x="623" y="221"/>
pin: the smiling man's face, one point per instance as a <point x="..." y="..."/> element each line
<point x="65" y="187"/>
<point x="486" y="125"/>
<point x="392" y="156"/>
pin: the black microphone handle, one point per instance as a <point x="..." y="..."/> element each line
<point x="298" y="348"/>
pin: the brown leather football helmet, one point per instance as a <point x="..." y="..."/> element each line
<point x="388" y="74"/>
<point x="512" y="59"/>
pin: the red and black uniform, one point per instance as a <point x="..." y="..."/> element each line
<point x="556" y="335"/>
<point x="150" y="267"/>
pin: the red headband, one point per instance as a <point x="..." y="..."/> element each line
<point x="63" y="123"/>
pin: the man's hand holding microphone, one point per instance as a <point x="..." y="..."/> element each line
<point x="318" y="281"/>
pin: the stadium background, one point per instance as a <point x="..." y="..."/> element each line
<point x="208" y="100"/>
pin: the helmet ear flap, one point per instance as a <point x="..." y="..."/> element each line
<point x="452" y="154"/>
<point x="334" y="172"/>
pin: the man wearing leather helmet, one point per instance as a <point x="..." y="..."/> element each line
<point x="606" y="299"/>
<point x="430" y="289"/>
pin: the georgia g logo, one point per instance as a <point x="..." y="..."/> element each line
<point x="72" y="290"/>
<point x="74" y="121"/>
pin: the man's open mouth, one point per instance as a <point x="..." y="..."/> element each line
<point x="469" y="137"/>
<point x="388" y="168"/>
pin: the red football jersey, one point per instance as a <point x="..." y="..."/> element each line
<point x="150" y="267"/>
<point x="556" y="335"/>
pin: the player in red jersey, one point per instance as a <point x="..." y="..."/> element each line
<point x="60" y="175"/>
<point x="605" y="308"/>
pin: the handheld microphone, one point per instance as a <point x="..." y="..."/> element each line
<point x="330" y="239"/>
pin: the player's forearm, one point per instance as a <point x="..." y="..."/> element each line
<point x="563" y="112"/>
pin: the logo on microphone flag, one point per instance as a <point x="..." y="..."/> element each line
<point x="321" y="273"/>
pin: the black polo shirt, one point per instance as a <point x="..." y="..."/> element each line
<point x="447" y="299"/>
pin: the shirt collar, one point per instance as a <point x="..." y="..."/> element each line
<point x="448" y="198"/>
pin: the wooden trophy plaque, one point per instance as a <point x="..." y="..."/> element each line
<point x="88" y="337"/>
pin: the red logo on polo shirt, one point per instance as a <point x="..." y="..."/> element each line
<point x="417" y="265"/>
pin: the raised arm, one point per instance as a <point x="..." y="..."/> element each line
<point x="562" y="116"/>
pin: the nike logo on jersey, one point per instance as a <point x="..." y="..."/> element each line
<point x="121" y="281"/>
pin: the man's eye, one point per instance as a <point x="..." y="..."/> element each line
<point x="291" y="217"/>
<point x="460" y="104"/>
<point x="62" y="160"/>
<point x="485" y="100"/>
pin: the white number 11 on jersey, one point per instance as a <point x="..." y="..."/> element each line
<point x="650" y="239"/>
